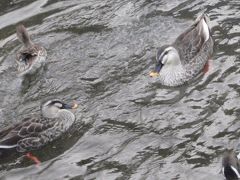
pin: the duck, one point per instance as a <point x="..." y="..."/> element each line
<point x="31" y="56"/>
<point x="186" y="57"/>
<point x="35" y="131"/>
<point x="231" y="165"/>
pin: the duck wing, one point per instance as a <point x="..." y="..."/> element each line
<point x="192" y="40"/>
<point x="28" y="128"/>
<point x="6" y="130"/>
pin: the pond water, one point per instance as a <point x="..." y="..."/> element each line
<point x="127" y="125"/>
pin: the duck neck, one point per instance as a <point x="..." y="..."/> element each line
<point x="172" y="75"/>
<point x="66" y="117"/>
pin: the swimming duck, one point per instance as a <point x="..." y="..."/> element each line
<point x="31" y="56"/>
<point x="231" y="166"/>
<point x="36" y="131"/>
<point x="185" y="58"/>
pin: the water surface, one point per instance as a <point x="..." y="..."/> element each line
<point x="128" y="126"/>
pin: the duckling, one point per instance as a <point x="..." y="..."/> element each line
<point x="31" y="56"/>
<point x="185" y="58"/>
<point x="231" y="166"/>
<point x="36" y="131"/>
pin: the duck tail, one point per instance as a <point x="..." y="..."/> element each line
<point x="23" y="36"/>
<point x="238" y="156"/>
<point x="204" y="29"/>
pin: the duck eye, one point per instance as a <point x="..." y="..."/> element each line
<point x="163" y="57"/>
<point x="165" y="53"/>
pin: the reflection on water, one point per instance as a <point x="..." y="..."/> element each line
<point x="128" y="126"/>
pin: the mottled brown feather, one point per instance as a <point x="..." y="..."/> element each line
<point x="190" y="41"/>
<point x="23" y="130"/>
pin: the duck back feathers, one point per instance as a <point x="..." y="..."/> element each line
<point x="190" y="43"/>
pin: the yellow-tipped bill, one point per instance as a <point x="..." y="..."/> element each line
<point x="75" y="105"/>
<point x="153" y="74"/>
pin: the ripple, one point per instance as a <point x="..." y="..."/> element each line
<point x="128" y="126"/>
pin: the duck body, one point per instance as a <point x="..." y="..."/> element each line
<point x="31" y="56"/>
<point x="38" y="130"/>
<point x="231" y="166"/>
<point x="181" y="61"/>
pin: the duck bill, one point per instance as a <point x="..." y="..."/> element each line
<point x="153" y="74"/>
<point x="72" y="106"/>
<point x="156" y="72"/>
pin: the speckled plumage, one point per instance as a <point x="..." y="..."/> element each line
<point x="31" y="56"/>
<point x="38" y="130"/>
<point x="185" y="58"/>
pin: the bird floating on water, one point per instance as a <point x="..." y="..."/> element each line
<point x="186" y="57"/>
<point x="36" y="131"/>
<point x="31" y="56"/>
<point x="231" y="165"/>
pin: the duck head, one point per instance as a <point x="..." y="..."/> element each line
<point x="52" y="108"/>
<point x="230" y="165"/>
<point x="30" y="56"/>
<point x="167" y="58"/>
